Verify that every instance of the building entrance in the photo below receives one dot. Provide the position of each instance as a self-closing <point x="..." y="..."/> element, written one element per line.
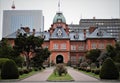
<point x="59" y="59"/>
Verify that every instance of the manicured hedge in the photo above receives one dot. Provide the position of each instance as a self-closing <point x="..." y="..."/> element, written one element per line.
<point x="109" y="70"/>
<point x="9" y="70"/>
<point x="2" y="61"/>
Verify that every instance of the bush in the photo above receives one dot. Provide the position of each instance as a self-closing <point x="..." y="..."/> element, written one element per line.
<point x="36" y="69"/>
<point x="2" y="61"/>
<point x="109" y="70"/>
<point x="60" y="69"/>
<point x="88" y="69"/>
<point x="93" y="65"/>
<point x="84" y="65"/>
<point x="26" y="71"/>
<point x="97" y="71"/>
<point x="92" y="70"/>
<point x="9" y="70"/>
<point x="21" y="72"/>
<point x="118" y="66"/>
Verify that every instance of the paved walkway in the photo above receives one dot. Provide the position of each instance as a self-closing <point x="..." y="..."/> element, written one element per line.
<point x="42" y="76"/>
<point x="80" y="77"/>
<point x="77" y="76"/>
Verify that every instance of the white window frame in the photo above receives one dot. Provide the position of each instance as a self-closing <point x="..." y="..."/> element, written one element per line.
<point x="55" y="46"/>
<point x="63" y="46"/>
<point x="73" y="47"/>
<point x="94" y="45"/>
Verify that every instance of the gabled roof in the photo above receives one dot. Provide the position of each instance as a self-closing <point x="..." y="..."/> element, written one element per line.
<point x="13" y="35"/>
<point x="59" y="33"/>
<point x="98" y="33"/>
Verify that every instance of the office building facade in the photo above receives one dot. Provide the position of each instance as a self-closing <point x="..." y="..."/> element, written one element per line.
<point x="14" y="19"/>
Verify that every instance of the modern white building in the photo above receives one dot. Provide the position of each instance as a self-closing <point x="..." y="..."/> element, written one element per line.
<point x="14" y="19"/>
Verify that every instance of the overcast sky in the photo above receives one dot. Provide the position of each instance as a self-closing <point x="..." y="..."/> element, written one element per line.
<point x="73" y="10"/>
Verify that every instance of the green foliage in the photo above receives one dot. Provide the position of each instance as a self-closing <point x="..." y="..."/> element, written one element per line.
<point x="6" y="50"/>
<point x="118" y="66"/>
<point x="19" y="60"/>
<point x="60" y="69"/>
<point x="110" y="51"/>
<point x="25" y="44"/>
<point x="117" y="48"/>
<point x="84" y="65"/>
<point x="2" y="61"/>
<point x="40" y="57"/>
<point x="9" y="70"/>
<point x="93" y="54"/>
<point x="109" y="70"/>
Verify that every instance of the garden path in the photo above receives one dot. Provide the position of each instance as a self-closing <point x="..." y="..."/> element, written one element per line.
<point x="39" y="77"/>
<point x="80" y="77"/>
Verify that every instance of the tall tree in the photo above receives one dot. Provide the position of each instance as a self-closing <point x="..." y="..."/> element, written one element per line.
<point x="110" y="51"/>
<point x="93" y="54"/>
<point x="40" y="57"/>
<point x="7" y="51"/>
<point x="27" y="45"/>
<point x="117" y="48"/>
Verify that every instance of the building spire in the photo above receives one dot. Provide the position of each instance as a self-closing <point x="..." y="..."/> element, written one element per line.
<point x="59" y="6"/>
<point x="13" y="5"/>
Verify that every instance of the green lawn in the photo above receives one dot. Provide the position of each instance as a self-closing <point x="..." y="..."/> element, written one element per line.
<point x="90" y="74"/>
<point x="54" y="77"/>
<point x="27" y="75"/>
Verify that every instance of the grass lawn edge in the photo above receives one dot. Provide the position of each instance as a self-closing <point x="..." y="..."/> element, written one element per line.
<point x="63" y="78"/>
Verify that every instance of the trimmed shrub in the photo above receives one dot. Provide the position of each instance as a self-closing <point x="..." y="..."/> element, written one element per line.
<point x="84" y="65"/>
<point x="26" y="71"/>
<point x="2" y="61"/>
<point x="118" y="66"/>
<point x="97" y="71"/>
<point x="60" y="69"/>
<point x="36" y="69"/>
<point x="21" y="72"/>
<point x="9" y="70"/>
<point x="109" y="70"/>
<point x="92" y="70"/>
<point x="93" y="65"/>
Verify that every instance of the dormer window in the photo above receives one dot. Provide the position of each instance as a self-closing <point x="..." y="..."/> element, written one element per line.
<point x="59" y="32"/>
<point x="99" y="33"/>
<point x="76" y="36"/>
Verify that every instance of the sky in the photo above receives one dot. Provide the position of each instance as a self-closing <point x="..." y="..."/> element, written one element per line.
<point x="73" y="10"/>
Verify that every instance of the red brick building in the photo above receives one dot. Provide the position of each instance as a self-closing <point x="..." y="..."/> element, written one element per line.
<point x="66" y="45"/>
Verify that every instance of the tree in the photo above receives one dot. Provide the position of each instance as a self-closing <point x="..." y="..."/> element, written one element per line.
<point x="110" y="51"/>
<point x="27" y="45"/>
<point x="93" y="54"/>
<point x="41" y="55"/>
<point x="117" y="49"/>
<point x="7" y="51"/>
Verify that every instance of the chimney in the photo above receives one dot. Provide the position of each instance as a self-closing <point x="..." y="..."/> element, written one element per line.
<point x="91" y="29"/>
<point x="94" y="17"/>
<point x="84" y="33"/>
<point x="33" y="31"/>
<point x="26" y="29"/>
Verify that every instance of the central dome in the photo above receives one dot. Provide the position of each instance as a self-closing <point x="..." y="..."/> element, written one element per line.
<point x="59" y="18"/>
